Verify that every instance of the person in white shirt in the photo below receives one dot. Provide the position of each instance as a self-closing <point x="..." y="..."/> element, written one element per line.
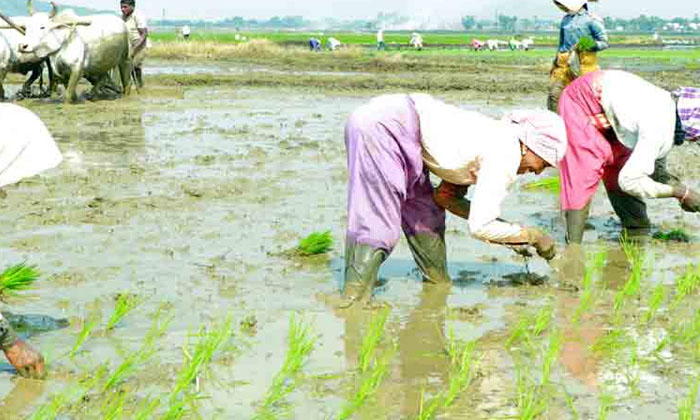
<point x="395" y="141"/>
<point x="26" y="150"/>
<point x="138" y="36"/>
<point x="620" y="130"/>
<point x="381" y="45"/>
<point x="186" y="31"/>
<point x="333" y="43"/>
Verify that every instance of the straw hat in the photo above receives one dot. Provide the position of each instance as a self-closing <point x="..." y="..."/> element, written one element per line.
<point x="572" y="5"/>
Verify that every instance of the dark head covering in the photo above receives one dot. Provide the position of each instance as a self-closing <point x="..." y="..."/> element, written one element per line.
<point x="131" y="3"/>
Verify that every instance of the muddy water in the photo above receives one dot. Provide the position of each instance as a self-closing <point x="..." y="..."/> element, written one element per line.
<point x="187" y="197"/>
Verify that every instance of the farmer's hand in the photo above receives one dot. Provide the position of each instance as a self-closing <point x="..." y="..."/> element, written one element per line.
<point x="523" y="250"/>
<point x="27" y="361"/>
<point x="542" y="242"/>
<point x="691" y="203"/>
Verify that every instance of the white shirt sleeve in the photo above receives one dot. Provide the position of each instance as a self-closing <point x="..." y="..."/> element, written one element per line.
<point x="140" y="20"/>
<point x="643" y="117"/>
<point x="497" y="173"/>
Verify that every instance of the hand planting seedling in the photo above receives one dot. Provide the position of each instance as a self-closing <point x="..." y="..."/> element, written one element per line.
<point x="17" y="278"/>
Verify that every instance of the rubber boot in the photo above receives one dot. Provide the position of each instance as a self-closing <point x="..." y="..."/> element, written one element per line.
<point x="362" y="264"/>
<point x="576" y="224"/>
<point x="139" y="76"/>
<point x="7" y="334"/>
<point x="430" y="254"/>
<point x="632" y="212"/>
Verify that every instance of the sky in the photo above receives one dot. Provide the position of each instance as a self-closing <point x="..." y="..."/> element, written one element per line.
<point x="363" y="9"/>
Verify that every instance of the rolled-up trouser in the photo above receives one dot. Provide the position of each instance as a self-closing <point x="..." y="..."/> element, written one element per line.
<point x="7" y="334"/>
<point x="559" y="78"/>
<point x="389" y="188"/>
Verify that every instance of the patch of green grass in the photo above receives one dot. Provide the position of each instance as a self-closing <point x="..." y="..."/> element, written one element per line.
<point x="551" y="184"/>
<point x="124" y="304"/>
<point x="316" y="243"/>
<point x="17" y="278"/>
<point x="673" y="235"/>
<point x="300" y="344"/>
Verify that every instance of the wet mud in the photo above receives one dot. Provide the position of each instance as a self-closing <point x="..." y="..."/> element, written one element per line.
<point x="189" y="197"/>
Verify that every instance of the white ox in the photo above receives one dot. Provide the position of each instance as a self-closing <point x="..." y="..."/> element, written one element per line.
<point x="10" y="39"/>
<point x="79" y="47"/>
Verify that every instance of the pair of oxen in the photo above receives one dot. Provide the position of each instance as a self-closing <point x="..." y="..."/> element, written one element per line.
<point x="73" y="47"/>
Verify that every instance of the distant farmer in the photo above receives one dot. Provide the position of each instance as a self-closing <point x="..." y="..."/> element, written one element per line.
<point x="381" y="45"/>
<point x="577" y="23"/>
<point x="416" y="41"/>
<point x="315" y="44"/>
<point x="620" y="129"/>
<point x="186" y="32"/>
<point x="138" y="34"/>
<point x="477" y="44"/>
<point x="393" y="144"/>
<point x="333" y="43"/>
<point x="26" y="150"/>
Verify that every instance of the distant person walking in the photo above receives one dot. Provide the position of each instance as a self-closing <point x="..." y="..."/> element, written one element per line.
<point x="138" y="35"/>
<point x="186" y="32"/>
<point x="576" y="24"/>
<point x="381" y="45"/>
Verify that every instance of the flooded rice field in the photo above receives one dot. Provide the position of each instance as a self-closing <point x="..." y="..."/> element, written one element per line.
<point x="174" y="208"/>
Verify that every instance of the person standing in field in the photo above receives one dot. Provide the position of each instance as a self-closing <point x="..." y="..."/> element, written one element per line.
<point x="186" y="32"/>
<point x="394" y="142"/>
<point x="620" y="129"/>
<point x="26" y="150"/>
<point x="381" y="45"/>
<point x="578" y="23"/>
<point x="138" y="35"/>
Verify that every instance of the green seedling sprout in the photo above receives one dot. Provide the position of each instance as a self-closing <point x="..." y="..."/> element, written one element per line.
<point x="673" y="235"/>
<point x="125" y="303"/>
<point x="658" y="296"/>
<point x="586" y="44"/>
<point x="686" y="406"/>
<point x="687" y="284"/>
<point x="83" y="335"/>
<point x="17" y="278"/>
<point x="372" y="367"/>
<point x="594" y="265"/>
<point x="315" y="244"/>
<point x="300" y="344"/>
<point x="551" y="184"/>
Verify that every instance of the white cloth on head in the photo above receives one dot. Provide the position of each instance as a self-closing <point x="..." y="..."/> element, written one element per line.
<point x="26" y="146"/>
<point x="541" y="131"/>
<point x="468" y="148"/>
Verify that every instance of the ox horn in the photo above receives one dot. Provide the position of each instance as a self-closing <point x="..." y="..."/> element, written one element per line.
<point x="30" y="7"/>
<point x="12" y="24"/>
<point x="54" y="10"/>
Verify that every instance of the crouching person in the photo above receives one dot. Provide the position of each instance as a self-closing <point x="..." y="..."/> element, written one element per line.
<point x="395" y="141"/>
<point x="620" y="129"/>
<point x="27" y="150"/>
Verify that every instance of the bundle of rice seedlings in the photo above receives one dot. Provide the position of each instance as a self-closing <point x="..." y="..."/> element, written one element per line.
<point x="586" y="43"/>
<point x="17" y="278"/>
<point x="551" y="184"/>
<point x="673" y="235"/>
<point x="316" y="243"/>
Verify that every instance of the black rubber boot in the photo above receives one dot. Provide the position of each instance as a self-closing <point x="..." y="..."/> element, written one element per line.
<point x="430" y="254"/>
<point x="362" y="264"/>
<point x="7" y="334"/>
<point x="632" y="212"/>
<point x="139" y="76"/>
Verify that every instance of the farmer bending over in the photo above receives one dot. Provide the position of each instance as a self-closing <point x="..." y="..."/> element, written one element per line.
<point x="25" y="151"/>
<point x="576" y="24"/>
<point x="620" y="129"/>
<point x="395" y="141"/>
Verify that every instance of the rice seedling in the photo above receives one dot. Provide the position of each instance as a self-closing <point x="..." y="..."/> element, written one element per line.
<point x="529" y="327"/>
<point x="88" y="326"/>
<point x="316" y="243"/>
<point x="612" y="343"/>
<point x="61" y="401"/>
<point x="147" y="410"/>
<point x="673" y="235"/>
<point x="686" y="406"/>
<point x="595" y="264"/>
<point x="124" y="304"/>
<point x="17" y="278"/>
<point x="658" y="296"/>
<point x="637" y="259"/>
<point x="551" y="184"/>
<point x="605" y="402"/>
<point x="585" y="44"/>
<point x="460" y="371"/>
<point x="687" y="284"/>
<point x="372" y="368"/>
<point x="114" y="406"/>
<point x="572" y="407"/>
<point x="300" y="344"/>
